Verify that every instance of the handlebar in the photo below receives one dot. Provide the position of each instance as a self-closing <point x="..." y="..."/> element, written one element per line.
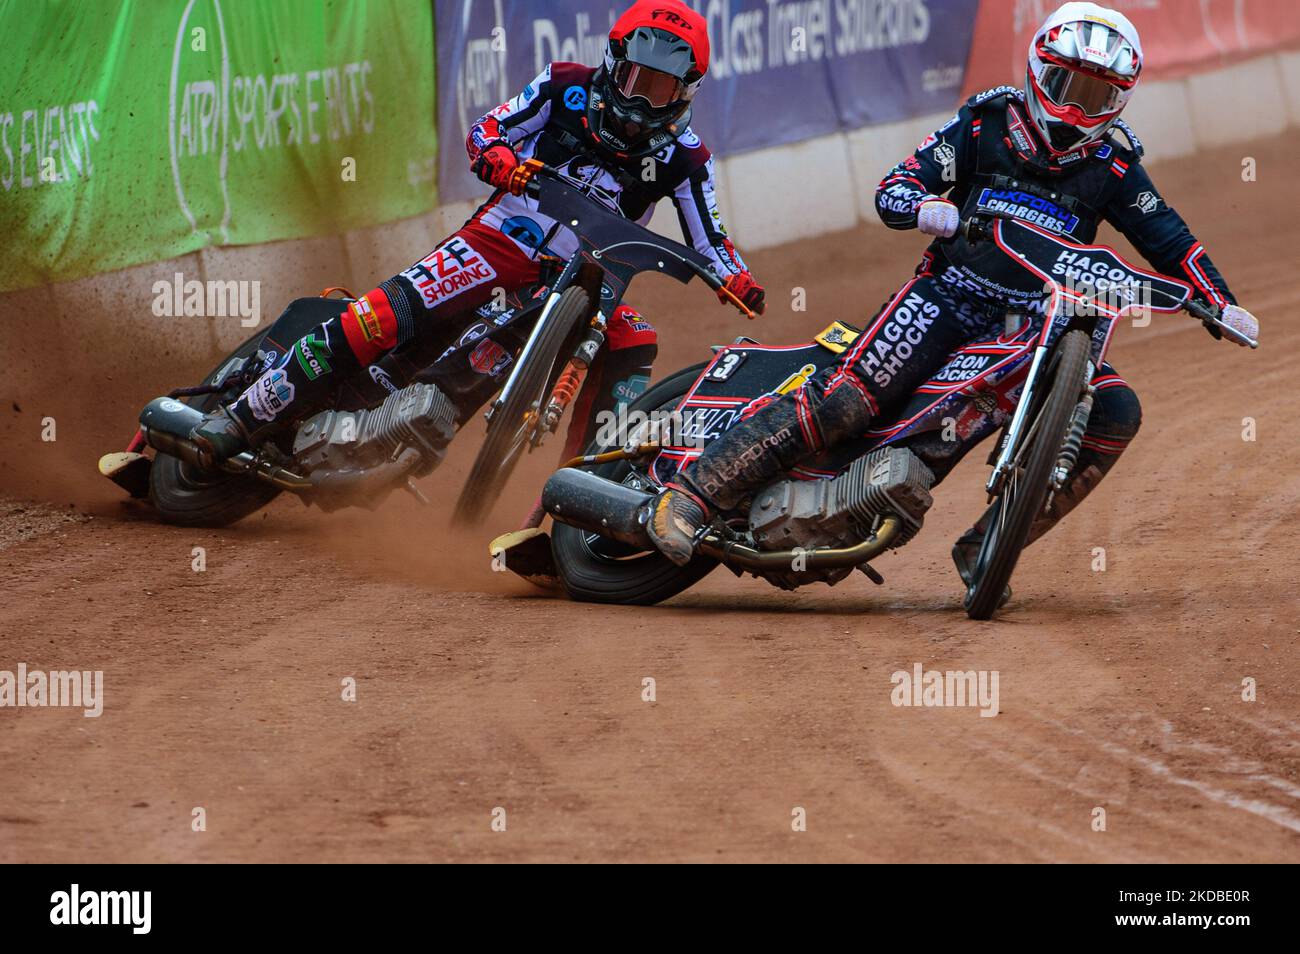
<point x="525" y="180"/>
<point x="979" y="228"/>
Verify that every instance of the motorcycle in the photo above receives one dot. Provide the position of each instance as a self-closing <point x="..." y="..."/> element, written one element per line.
<point x="394" y="425"/>
<point x="846" y="507"/>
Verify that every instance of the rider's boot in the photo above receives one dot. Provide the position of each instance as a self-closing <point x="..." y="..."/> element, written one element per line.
<point x="301" y="383"/>
<point x="219" y="436"/>
<point x="823" y="412"/>
<point x="675" y="523"/>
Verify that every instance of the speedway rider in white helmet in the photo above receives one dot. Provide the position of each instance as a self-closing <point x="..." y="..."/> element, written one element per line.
<point x="1046" y="154"/>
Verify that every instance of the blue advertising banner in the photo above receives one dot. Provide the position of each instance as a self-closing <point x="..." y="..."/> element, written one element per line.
<point x="780" y="71"/>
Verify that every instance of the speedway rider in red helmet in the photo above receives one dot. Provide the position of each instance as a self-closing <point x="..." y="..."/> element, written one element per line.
<point x="622" y="127"/>
<point x="1044" y="154"/>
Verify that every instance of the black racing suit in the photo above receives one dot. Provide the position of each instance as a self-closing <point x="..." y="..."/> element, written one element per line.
<point x="989" y="159"/>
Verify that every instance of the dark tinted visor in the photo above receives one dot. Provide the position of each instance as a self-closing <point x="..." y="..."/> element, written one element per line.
<point x="657" y="88"/>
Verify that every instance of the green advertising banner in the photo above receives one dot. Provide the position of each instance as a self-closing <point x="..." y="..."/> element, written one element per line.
<point x="137" y="130"/>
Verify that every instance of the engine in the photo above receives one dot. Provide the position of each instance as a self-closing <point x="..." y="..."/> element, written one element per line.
<point x="843" y="510"/>
<point x="419" y="416"/>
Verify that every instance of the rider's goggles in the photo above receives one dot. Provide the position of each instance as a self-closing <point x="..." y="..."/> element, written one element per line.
<point x="656" y="87"/>
<point x="1092" y="93"/>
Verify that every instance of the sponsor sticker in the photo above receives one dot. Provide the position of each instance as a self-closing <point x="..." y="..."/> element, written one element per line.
<point x="1147" y="202"/>
<point x="837" y="337"/>
<point x="380" y="377"/>
<point x="447" y="271"/>
<point x="1029" y="208"/>
<point x="272" y="393"/>
<point x="575" y="98"/>
<point x="489" y="357"/>
<point x="313" y="354"/>
<point x="366" y="318"/>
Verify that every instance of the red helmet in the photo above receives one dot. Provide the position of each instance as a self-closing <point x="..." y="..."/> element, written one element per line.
<point x="655" y="60"/>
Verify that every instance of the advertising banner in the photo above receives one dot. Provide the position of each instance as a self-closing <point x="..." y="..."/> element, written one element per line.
<point x="780" y="70"/>
<point x="1178" y="36"/>
<point x="138" y="130"/>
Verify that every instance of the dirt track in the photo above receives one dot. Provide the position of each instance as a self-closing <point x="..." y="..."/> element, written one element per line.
<point x="1119" y="689"/>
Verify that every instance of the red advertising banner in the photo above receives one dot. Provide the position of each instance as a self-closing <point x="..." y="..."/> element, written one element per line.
<point x="1178" y="36"/>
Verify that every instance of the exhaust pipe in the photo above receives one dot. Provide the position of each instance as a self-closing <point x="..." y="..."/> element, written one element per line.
<point x="166" y="425"/>
<point x="818" y="558"/>
<point x="583" y="500"/>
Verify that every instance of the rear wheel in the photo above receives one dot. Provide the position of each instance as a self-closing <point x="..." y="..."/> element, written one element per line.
<point x="189" y="497"/>
<point x="1024" y="492"/>
<point x="594" y="569"/>
<point x="512" y="422"/>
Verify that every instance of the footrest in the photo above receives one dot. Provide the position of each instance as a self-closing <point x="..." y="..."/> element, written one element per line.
<point x="128" y="470"/>
<point x="526" y="553"/>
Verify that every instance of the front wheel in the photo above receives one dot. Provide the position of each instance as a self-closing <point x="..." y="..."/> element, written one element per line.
<point x="512" y="422"/>
<point x="595" y="569"/>
<point x="1024" y="492"/>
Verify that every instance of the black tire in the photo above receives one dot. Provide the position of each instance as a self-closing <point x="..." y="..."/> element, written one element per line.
<point x="1024" y="494"/>
<point x="506" y="433"/>
<point x="188" y="497"/>
<point x="596" y="570"/>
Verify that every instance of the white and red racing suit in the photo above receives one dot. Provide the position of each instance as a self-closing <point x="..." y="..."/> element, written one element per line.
<point x="435" y="301"/>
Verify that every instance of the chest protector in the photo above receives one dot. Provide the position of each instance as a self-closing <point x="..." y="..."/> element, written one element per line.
<point x="1015" y="176"/>
<point x="566" y="144"/>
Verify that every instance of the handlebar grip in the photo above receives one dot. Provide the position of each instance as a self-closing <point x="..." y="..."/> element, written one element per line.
<point x="740" y="306"/>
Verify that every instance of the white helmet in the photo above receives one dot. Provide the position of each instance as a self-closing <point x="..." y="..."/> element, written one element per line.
<point x="1083" y="64"/>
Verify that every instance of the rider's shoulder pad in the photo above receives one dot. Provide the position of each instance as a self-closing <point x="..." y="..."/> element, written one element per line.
<point x="564" y="75"/>
<point x="997" y="92"/>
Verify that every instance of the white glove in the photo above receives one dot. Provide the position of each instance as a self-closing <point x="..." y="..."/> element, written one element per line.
<point x="938" y="217"/>
<point x="1240" y="321"/>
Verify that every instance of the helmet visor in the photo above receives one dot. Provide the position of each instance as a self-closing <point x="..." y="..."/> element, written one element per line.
<point x="1093" y="95"/>
<point x="657" y="88"/>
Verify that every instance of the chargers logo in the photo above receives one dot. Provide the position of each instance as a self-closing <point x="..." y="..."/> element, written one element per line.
<point x="1029" y="208"/>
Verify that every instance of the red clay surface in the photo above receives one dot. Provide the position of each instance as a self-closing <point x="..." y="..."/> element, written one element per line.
<point x="1118" y="689"/>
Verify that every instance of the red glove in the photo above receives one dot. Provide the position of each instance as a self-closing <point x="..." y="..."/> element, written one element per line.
<point x="495" y="164"/>
<point x="743" y="286"/>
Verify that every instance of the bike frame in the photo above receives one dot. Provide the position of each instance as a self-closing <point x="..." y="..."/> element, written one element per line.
<point x="608" y="241"/>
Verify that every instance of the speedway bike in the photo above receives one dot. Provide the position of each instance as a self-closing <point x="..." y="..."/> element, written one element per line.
<point x="839" y="511"/>
<point x="393" y="425"/>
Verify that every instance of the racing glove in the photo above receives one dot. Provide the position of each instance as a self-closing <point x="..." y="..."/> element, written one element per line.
<point x="938" y="217"/>
<point x="743" y="286"/>
<point x="1239" y="320"/>
<point x="495" y="164"/>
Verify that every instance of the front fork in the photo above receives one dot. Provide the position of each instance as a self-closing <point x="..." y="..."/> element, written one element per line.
<point x="1011" y="441"/>
<point x="570" y="381"/>
<point x="1010" y="449"/>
